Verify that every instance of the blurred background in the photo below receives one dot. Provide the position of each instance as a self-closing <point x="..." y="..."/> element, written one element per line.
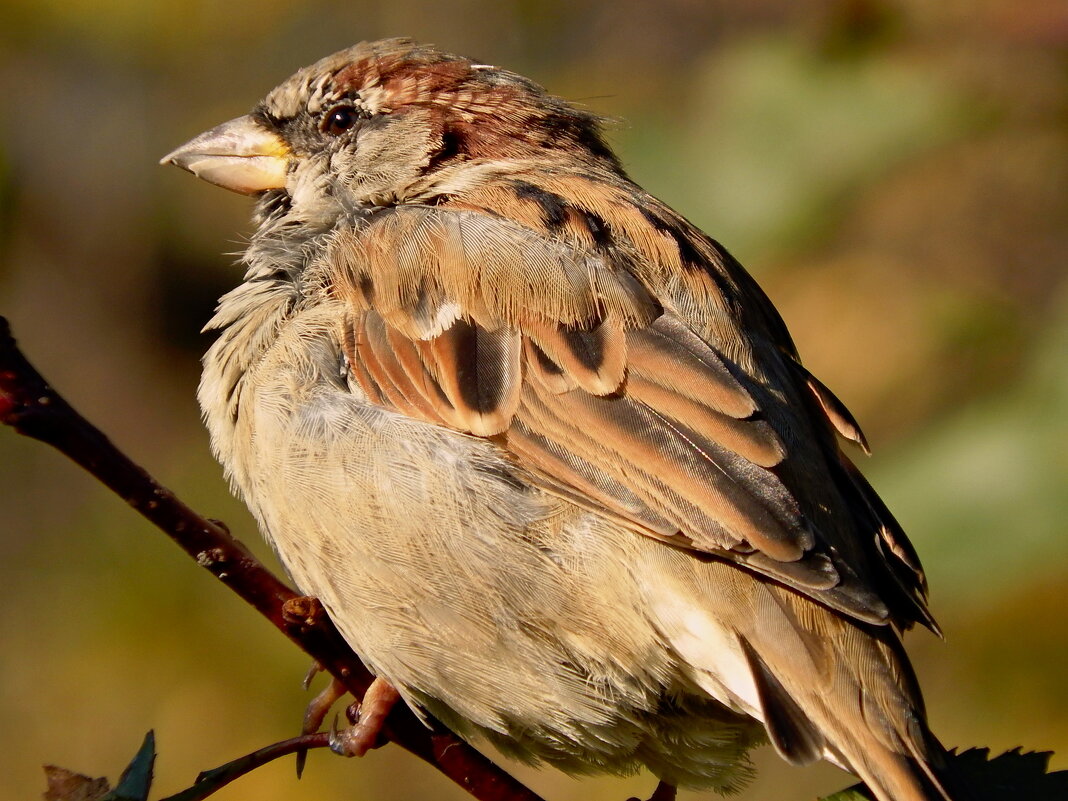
<point x="894" y="172"/>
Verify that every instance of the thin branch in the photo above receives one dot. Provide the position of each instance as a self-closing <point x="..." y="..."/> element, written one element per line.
<point x="32" y="407"/>
<point x="211" y="781"/>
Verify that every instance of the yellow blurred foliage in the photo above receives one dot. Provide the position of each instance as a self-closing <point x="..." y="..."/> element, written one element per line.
<point x="893" y="171"/>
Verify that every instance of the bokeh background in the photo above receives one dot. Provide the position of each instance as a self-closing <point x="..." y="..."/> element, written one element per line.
<point x="893" y="171"/>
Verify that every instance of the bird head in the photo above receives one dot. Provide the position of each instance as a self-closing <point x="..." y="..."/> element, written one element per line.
<point x="389" y="122"/>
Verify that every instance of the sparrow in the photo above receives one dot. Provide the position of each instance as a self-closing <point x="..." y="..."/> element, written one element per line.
<point x="544" y="450"/>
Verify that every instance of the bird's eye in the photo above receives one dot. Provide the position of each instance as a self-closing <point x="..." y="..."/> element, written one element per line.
<point x="339" y="119"/>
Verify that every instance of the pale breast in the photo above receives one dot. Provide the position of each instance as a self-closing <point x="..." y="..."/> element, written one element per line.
<point x="499" y="608"/>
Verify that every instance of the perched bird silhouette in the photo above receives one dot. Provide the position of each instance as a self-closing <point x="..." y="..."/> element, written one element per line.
<point x="543" y="449"/>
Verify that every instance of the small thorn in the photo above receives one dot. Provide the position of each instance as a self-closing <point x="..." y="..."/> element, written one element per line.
<point x="220" y="524"/>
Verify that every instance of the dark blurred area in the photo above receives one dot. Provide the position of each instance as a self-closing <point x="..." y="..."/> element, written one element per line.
<point x="894" y="172"/>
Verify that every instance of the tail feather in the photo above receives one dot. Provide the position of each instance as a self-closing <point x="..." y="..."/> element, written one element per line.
<point x="925" y="773"/>
<point x="789" y="729"/>
<point x="895" y="776"/>
<point x="862" y="711"/>
<point x="824" y="685"/>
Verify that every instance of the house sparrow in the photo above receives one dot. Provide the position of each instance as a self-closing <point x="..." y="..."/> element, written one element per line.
<point x="544" y="450"/>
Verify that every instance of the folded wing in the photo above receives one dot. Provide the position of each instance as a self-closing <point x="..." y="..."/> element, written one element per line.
<point x="585" y="345"/>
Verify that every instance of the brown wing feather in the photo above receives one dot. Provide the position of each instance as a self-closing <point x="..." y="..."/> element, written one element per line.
<point x="593" y="357"/>
<point x="578" y="479"/>
<point x="714" y="496"/>
<point x="671" y="355"/>
<point x="545" y="371"/>
<point x="578" y="341"/>
<point x="379" y="366"/>
<point x="837" y="413"/>
<point x="410" y="359"/>
<point x="479" y="372"/>
<point x="384" y="354"/>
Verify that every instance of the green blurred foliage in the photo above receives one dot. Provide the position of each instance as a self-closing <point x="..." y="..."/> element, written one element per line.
<point x="893" y="171"/>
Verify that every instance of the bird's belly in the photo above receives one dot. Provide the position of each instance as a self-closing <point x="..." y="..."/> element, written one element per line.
<point x="500" y="609"/>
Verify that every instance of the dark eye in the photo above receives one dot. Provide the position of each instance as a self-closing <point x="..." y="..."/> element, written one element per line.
<point x="339" y="119"/>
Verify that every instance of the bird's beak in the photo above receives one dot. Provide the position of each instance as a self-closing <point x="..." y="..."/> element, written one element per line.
<point x="240" y="155"/>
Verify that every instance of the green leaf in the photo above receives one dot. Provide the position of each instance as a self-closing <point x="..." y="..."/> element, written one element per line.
<point x="1011" y="776"/>
<point x="136" y="781"/>
<point x="857" y="792"/>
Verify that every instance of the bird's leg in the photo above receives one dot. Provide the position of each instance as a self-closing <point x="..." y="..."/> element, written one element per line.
<point x="367" y="718"/>
<point x="663" y="792"/>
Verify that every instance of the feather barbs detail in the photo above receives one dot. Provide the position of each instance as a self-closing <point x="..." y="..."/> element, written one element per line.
<point x="414" y="263"/>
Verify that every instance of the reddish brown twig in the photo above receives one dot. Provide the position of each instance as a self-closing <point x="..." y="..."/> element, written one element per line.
<point x="211" y="781"/>
<point x="32" y="407"/>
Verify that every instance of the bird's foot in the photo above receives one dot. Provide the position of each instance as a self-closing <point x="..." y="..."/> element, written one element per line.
<point x="368" y="717"/>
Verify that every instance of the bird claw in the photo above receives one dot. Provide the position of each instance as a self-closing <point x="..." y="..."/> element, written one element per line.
<point x="368" y="719"/>
<point x="313" y="670"/>
<point x="351" y="741"/>
<point x="334" y="741"/>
